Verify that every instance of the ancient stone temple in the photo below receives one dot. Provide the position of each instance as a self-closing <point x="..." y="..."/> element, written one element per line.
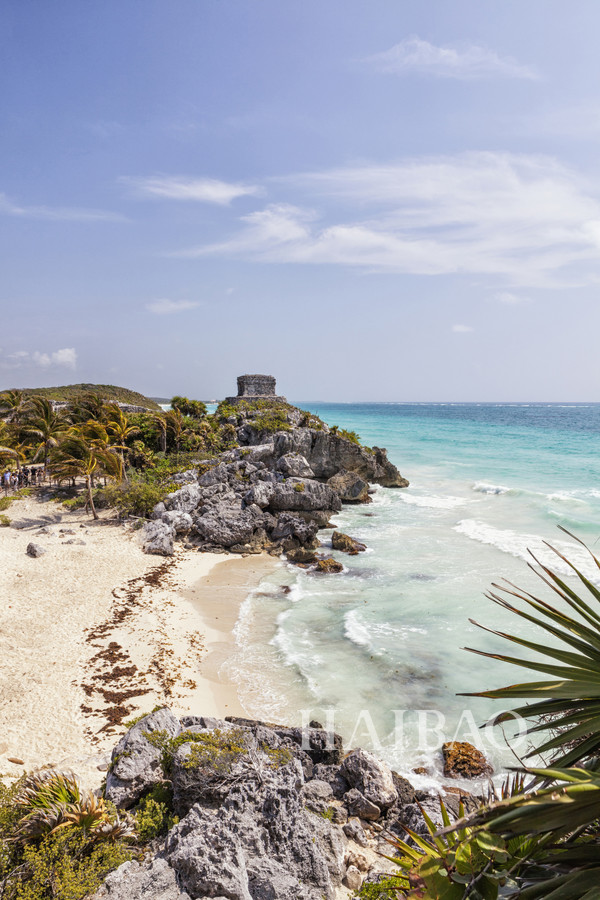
<point x="256" y="387"/>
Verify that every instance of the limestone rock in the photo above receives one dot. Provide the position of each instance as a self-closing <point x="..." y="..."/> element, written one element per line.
<point x="35" y="550"/>
<point x="258" y="845"/>
<point x="370" y="776"/>
<point x="328" y="566"/>
<point x="359" y="805"/>
<point x="343" y="542"/>
<point x="181" y="522"/>
<point x="354" y="830"/>
<point x="226" y="524"/>
<point x="353" y="879"/>
<point x="157" y="537"/>
<point x="350" y="487"/>
<point x="304" y="495"/>
<point x="463" y="760"/>
<point x="185" y="499"/>
<point x="140" y="881"/>
<point x="294" y="464"/>
<point x="135" y="762"/>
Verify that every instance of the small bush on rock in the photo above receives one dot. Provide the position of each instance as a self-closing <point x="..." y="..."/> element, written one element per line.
<point x="155" y="813"/>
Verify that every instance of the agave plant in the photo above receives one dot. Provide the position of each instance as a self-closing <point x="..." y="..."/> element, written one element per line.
<point x="51" y="800"/>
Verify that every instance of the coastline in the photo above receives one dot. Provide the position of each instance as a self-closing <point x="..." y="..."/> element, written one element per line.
<point x="94" y="632"/>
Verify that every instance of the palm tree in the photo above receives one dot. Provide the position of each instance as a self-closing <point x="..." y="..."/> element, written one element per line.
<point x="7" y="448"/>
<point x="11" y="405"/>
<point x="176" y="426"/>
<point x="160" y="423"/>
<point x="44" y="427"/>
<point x="119" y="428"/>
<point x="78" y="457"/>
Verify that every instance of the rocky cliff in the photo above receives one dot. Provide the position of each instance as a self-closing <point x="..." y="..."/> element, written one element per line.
<point x="288" y="474"/>
<point x="266" y="812"/>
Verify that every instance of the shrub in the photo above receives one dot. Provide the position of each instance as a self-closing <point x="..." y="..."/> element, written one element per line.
<point x="63" y="866"/>
<point x="4" y="521"/>
<point x="5" y="503"/>
<point x="137" y="498"/>
<point x="155" y="813"/>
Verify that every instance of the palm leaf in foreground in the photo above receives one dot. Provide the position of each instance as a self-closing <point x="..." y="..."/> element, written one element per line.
<point x="568" y="703"/>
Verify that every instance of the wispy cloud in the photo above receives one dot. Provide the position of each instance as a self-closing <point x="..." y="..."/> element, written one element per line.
<point x="57" y="213"/>
<point x="511" y="299"/>
<point x="19" y="359"/>
<point x="467" y="62"/>
<point x="524" y="218"/>
<point x="168" y="307"/>
<point x="462" y="329"/>
<point x="202" y="190"/>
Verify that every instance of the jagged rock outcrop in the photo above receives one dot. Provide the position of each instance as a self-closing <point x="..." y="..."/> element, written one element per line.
<point x="136" y="763"/>
<point x="350" y="487"/>
<point x="157" y="537"/>
<point x="267" y="812"/>
<point x="272" y="492"/>
<point x="343" y="542"/>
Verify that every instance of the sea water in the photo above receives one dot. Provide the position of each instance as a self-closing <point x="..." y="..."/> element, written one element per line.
<point x="377" y="651"/>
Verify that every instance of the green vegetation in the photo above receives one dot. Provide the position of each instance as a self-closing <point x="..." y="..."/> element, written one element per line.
<point x="5" y="503"/>
<point x="154" y="814"/>
<point x="57" y="842"/>
<point x="299" y="487"/>
<point x="215" y="750"/>
<point x="4" y="521"/>
<point x="136" y="498"/>
<point x="69" y="392"/>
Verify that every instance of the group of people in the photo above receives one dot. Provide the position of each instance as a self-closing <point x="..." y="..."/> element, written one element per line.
<point x="28" y="475"/>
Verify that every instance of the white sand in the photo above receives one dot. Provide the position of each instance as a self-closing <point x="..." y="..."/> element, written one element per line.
<point x="98" y="626"/>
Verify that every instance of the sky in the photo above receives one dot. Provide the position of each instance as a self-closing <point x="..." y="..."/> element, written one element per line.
<point x="393" y="200"/>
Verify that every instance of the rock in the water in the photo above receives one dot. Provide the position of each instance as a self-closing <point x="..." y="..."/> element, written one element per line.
<point x="141" y="881"/>
<point x="136" y="763"/>
<point x="371" y="777"/>
<point x="463" y="760"/>
<point x="350" y="487"/>
<point x="35" y="550"/>
<point x="302" y="555"/>
<point x="328" y="566"/>
<point x="157" y="537"/>
<point x="343" y="542"/>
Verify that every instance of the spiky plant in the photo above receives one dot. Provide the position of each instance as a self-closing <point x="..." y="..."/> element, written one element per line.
<point x="570" y="701"/>
<point x="50" y="800"/>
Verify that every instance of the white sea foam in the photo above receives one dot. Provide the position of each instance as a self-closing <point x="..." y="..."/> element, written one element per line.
<point x="366" y="635"/>
<point x="433" y="502"/>
<point x="482" y="488"/>
<point x="519" y="545"/>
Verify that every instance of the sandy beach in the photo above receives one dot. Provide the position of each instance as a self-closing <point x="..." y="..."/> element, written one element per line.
<point x="94" y="631"/>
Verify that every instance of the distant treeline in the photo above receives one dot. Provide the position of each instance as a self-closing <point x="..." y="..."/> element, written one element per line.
<point x="109" y="392"/>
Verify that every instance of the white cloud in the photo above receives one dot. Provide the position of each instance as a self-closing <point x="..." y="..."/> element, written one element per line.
<point x="168" y="307"/>
<point x="466" y="62"/>
<point x="203" y="190"/>
<point x="67" y="358"/>
<point x="524" y="218"/>
<point x="462" y="329"/>
<point x="56" y="213"/>
<point x="510" y="298"/>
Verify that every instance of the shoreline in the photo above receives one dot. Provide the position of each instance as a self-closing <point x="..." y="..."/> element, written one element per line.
<point x="95" y="632"/>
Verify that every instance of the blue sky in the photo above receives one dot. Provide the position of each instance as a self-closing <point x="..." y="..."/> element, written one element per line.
<point x="383" y="200"/>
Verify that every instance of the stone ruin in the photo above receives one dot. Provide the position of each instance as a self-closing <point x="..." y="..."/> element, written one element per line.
<point x="256" y="387"/>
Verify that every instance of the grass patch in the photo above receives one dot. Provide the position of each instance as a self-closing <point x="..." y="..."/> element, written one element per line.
<point x="4" y="521"/>
<point x="5" y="503"/>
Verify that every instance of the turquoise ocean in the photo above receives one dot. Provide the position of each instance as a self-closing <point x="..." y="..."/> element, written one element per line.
<point x="377" y="650"/>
